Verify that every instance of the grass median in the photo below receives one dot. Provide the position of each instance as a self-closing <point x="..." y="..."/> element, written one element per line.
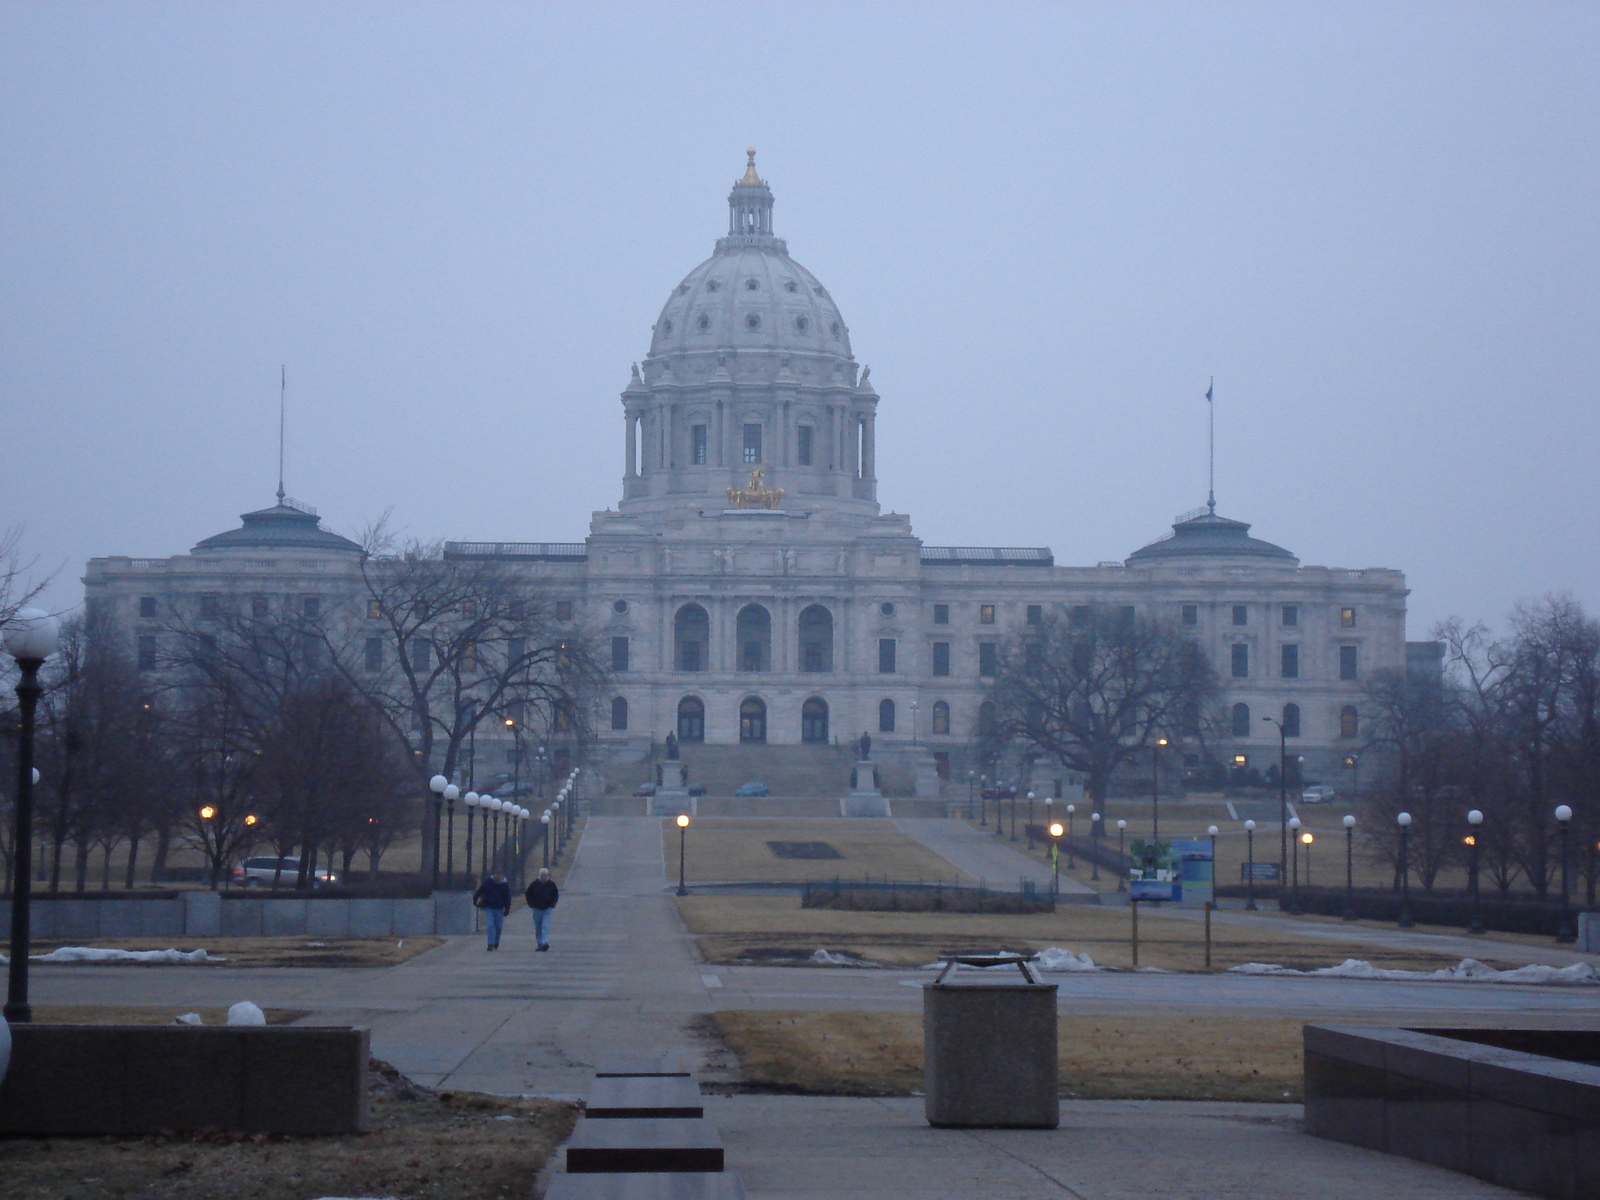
<point x="267" y="951"/>
<point x="740" y="848"/>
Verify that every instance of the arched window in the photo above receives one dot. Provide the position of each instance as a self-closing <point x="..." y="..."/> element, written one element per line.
<point x="986" y="719"/>
<point x="753" y="720"/>
<point x="691" y="636"/>
<point x="619" y="713"/>
<point x="1291" y="720"/>
<point x="941" y="717"/>
<point x="816" y="639"/>
<point x="691" y="720"/>
<point x="1241" y="720"/>
<point x="754" y="629"/>
<point x="814" y="720"/>
<point x="1349" y="722"/>
<point x="886" y="716"/>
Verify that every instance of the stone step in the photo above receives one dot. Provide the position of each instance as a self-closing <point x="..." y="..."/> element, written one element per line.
<point x="655" y="1064"/>
<point x="638" y="1097"/>
<point x="640" y="1185"/>
<point x="652" y="1144"/>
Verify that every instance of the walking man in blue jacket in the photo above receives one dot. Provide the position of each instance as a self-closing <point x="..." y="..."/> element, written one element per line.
<point x="494" y="897"/>
<point x="542" y="896"/>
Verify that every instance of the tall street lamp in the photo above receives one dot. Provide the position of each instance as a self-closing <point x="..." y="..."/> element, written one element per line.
<point x="1283" y="796"/>
<point x="983" y="800"/>
<point x="683" y="836"/>
<point x="30" y="638"/>
<point x="1072" y="862"/>
<point x="1349" y="824"/>
<point x="1122" y="876"/>
<point x="1404" y="821"/>
<point x="1294" y="871"/>
<point x="451" y="794"/>
<point x="1566" y="933"/>
<point x="471" y="801"/>
<point x="1475" y="819"/>
<point x="1094" y="838"/>
<point x="970" y="777"/>
<point x="1155" y="789"/>
<point x="437" y="785"/>
<point x="1055" y="857"/>
<point x="545" y="821"/>
<point x="914" y="707"/>
<point x="1305" y="840"/>
<point x="1250" y="866"/>
<point x="1030" y="811"/>
<point x="555" y="816"/>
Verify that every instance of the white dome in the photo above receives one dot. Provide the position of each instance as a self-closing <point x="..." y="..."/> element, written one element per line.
<point x="750" y="298"/>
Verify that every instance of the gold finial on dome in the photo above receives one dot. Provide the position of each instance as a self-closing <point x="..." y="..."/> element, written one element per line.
<point x="750" y="176"/>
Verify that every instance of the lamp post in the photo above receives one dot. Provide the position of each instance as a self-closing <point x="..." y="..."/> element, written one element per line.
<point x="1030" y="812"/>
<point x="1566" y="933"/>
<point x="1305" y="840"/>
<point x="1250" y="868"/>
<point x="970" y="778"/>
<point x="1294" y="873"/>
<point x="1122" y="877"/>
<point x="493" y="806"/>
<point x="683" y="837"/>
<point x="555" y="816"/>
<point x="30" y="638"/>
<point x="1211" y="832"/>
<point x="1072" y="862"/>
<point x="1349" y="824"/>
<point x="1155" y="789"/>
<point x="451" y="794"/>
<point x="983" y="800"/>
<point x="1404" y="821"/>
<point x="915" y="705"/>
<point x="545" y="821"/>
<point x="1475" y="819"/>
<point x="471" y="801"/>
<point x="437" y="785"/>
<point x="516" y="757"/>
<point x="1055" y="857"/>
<point x="1013" y="791"/>
<point x="1094" y="837"/>
<point x="1283" y="796"/>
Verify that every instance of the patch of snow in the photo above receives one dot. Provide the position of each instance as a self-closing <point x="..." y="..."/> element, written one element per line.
<point x="187" y="1019"/>
<point x="246" y="1013"/>
<point x="1054" y="958"/>
<point x="99" y="954"/>
<point x="824" y="958"/>
<point x="1467" y="970"/>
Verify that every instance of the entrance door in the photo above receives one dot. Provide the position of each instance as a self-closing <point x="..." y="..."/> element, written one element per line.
<point x="814" y="720"/>
<point x="753" y="720"/>
<point x="691" y="720"/>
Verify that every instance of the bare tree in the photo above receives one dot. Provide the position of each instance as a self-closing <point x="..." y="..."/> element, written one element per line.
<point x="1097" y="690"/>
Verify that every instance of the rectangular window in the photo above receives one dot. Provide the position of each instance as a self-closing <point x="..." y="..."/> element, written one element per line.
<point x="515" y="648"/>
<point x="1125" y="617"/>
<point x="1241" y="660"/>
<point x="1347" y="662"/>
<point x="1291" y="615"/>
<point x="619" y="654"/>
<point x="259" y="607"/>
<point x="1080" y="616"/>
<point x="374" y="654"/>
<point x="941" y="658"/>
<point x="752" y="444"/>
<point x="421" y="650"/>
<point x="374" y="609"/>
<point x="211" y="606"/>
<point x="985" y="614"/>
<point x="697" y="445"/>
<point x="563" y="610"/>
<point x="688" y="656"/>
<point x="1241" y="614"/>
<point x="1191" y="614"/>
<point x="147" y="653"/>
<point x="941" y="614"/>
<point x="885" y="656"/>
<point x="147" y="606"/>
<point x="803" y="445"/>
<point x="1289" y="662"/>
<point x="1033" y="656"/>
<point x="1035" y="614"/>
<point x="310" y="607"/>
<point x="988" y="658"/>
<point x="1347" y="618"/>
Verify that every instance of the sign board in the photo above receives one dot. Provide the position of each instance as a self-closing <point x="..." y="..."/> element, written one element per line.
<point x="1261" y="872"/>
<point x="1153" y="889"/>
<point x="1191" y="848"/>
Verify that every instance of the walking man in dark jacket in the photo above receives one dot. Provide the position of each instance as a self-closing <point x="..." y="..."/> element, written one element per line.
<point x="494" y="897"/>
<point x="542" y="896"/>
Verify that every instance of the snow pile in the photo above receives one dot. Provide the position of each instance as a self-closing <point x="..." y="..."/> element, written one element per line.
<point x="246" y="1013"/>
<point x="97" y="954"/>
<point x="1468" y="970"/>
<point x="187" y="1019"/>
<point x="1054" y="958"/>
<point x="824" y="958"/>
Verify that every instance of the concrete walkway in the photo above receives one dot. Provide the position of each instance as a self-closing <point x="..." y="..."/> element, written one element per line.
<point x="989" y="858"/>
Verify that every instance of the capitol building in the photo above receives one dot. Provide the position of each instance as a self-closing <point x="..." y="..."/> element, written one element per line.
<point x="748" y="589"/>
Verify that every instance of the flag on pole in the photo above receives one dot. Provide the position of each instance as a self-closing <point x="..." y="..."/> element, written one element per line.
<point x="1209" y="386"/>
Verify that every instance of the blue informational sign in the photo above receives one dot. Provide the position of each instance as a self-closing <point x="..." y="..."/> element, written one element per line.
<point x="1154" y="889"/>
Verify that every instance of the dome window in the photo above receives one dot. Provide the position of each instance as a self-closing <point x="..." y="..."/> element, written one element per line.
<point x="619" y="606"/>
<point x="791" y="286"/>
<point x="683" y="289"/>
<point x="666" y="326"/>
<point x="704" y="322"/>
<point x="802" y="323"/>
<point x="753" y="320"/>
<point x="835" y="329"/>
<point x="822" y="291"/>
<point x="712" y="285"/>
<point x="752" y="285"/>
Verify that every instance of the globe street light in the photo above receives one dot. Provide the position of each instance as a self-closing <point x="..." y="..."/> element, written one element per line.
<point x="1306" y="839"/>
<point x="555" y="814"/>
<point x="1094" y="838"/>
<point x="1030" y="811"/>
<point x="1475" y="819"/>
<point x="451" y="794"/>
<point x="1566" y="933"/>
<point x="683" y="835"/>
<point x="1211" y="831"/>
<point x="1250" y="868"/>
<point x="1349" y="824"/>
<point x="471" y="801"/>
<point x="1055" y="856"/>
<point x="30" y="638"/>
<point x="1404" y="821"/>
<point x="1122" y="877"/>
<point x="545" y="821"/>
<point x="1071" y="860"/>
<point x="437" y="785"/>
<point x="493" y="806"/>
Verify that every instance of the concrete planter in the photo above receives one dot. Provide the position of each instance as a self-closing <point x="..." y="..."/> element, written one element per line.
<point x="989" y="1055"/>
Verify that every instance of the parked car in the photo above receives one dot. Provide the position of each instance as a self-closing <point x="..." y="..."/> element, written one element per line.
<point x="697" y="789"/>
<point x="645" y="790"/>
<point x="1000" y="791"/>
<point x="754" y="788"/>
<point x="260" y="872"/>
<point x="1317" y="793"/>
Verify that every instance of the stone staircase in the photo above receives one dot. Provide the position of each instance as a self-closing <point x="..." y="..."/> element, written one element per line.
<point x="789" y="771"/>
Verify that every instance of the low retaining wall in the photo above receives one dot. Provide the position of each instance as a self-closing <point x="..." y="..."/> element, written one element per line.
<point x="143" y="1079"/>
<point x="1516" y="1107"/>
<point x="212" y="914"/>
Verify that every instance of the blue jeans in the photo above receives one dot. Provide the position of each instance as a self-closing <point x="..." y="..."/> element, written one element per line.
<point x="496" y="918"/>
<point x="541" y="925"/>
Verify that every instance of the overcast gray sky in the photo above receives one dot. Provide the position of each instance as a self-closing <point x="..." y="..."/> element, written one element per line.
<point x="1047" y="225"/>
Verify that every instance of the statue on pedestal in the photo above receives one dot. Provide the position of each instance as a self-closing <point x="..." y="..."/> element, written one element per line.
<point x="865" y="746"/>
<point x="672" y="747"/>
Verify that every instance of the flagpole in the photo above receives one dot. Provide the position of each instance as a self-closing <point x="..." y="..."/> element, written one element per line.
<point x="1211" y="446"/>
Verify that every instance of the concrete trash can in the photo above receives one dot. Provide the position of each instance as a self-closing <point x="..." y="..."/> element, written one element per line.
<point x="989" y="1049"/>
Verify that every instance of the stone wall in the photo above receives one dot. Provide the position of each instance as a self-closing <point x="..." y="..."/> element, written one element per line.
<point x="211" y="914"/>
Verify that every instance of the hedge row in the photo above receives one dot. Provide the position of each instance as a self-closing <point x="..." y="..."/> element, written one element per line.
<point x="1505" y="916"/>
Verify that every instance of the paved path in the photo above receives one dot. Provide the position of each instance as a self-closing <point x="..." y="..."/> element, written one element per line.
<point x="990" y="858"/>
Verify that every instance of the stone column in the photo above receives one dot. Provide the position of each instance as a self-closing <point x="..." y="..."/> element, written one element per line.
<point x="869" y="454"/>
<point x="632" y="451"/>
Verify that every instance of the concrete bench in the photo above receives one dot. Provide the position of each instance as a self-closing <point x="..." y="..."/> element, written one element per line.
<point x="637" y="1097"/>
<point x="649" y="1144"/>
<point x="658" y="1185"/>
<point x="140" y="1079"/>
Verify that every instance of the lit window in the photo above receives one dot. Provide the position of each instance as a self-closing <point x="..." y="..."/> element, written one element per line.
<point x="1347" y="618"/>
<point x="941" y="658"/>
<point x="803" y="445"/>
<point x="941" y="614"/>
<point x="1349" y="722"/>
<point x="697" y="445"/>
<point x="1240" y="654"/>
<point x="985" y="614"/>
<point x="1289" y="664"/>
<point x="1191" y="614"/>
<point x="752" y="444"/>
<point x="1241" y="614"/>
